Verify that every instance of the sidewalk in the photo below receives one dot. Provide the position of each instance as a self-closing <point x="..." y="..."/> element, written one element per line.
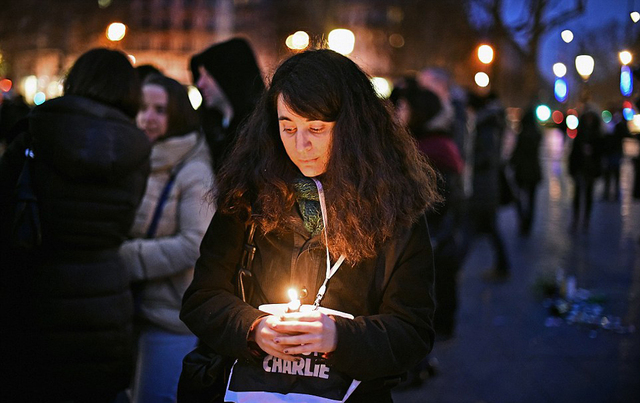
<point x="505" y="349"/>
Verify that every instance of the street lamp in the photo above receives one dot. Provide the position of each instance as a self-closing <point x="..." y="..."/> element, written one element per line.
<point x="559" y="69"/>
<point x="560" y="88"/>
<point x="485" y="54"/>
<point x="626" y="79"/>
<point x="482" y="79"/>
<point x="566" y="35"/>
<point x="584" y="66"/>
<point x="342" y="41"/>
<point x="625" y="57"/>
<point x="298" y="40"/>
<point x="116" y="31"/>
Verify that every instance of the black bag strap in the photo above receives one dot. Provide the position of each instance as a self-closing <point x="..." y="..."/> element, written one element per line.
<point x="153" y="227"/>
<point x="245" y="274"/>
<point x="26" y="230"/>
<point x="164" y="196"/>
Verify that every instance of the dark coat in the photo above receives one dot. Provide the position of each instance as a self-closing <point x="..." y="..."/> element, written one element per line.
<point x="490" y="125"/>
<point x="67" y="306"/>
<point x="525" y="158"/>
<point x="585" y="158"/>
<point x="392" y="329"/>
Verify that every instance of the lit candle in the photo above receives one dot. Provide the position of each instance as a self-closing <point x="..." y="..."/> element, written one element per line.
<point x="294" y="305"/>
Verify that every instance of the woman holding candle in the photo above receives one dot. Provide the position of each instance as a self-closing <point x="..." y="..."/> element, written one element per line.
<point x="338" y="191"/>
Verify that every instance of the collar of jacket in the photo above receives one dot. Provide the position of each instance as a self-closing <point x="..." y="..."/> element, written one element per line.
<point x="168" y="152"/>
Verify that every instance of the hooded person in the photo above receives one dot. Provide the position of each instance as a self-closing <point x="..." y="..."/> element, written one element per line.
<point x="229" y="79"/>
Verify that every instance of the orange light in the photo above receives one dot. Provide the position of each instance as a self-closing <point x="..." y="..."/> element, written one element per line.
<point x="5" y="85"/>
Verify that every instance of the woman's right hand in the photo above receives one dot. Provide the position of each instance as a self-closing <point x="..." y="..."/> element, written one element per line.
<point x="264" y="336"/>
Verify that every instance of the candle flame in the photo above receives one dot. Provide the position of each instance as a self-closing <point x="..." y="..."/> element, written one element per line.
<point x="293" y="294"/>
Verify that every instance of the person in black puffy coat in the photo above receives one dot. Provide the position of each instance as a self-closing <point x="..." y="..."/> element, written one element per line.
<point x="66" y="331"/>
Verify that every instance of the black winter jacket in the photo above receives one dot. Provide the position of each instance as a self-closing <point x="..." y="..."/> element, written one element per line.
<point x="392" y="329"/>
<point x="66" y="306"/>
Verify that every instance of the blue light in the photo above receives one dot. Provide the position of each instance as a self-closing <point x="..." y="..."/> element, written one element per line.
<point x="560" y="89"/>
<point x="627" y="113"/>
<point x="39" y="98"/>
<point x="626" y="82"/>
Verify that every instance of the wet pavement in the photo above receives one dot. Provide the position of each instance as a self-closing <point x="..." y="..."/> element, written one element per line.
<point x="508" y="348"/>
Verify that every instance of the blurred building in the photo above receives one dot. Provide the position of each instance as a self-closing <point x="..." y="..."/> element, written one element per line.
<point x="40" y="39"/>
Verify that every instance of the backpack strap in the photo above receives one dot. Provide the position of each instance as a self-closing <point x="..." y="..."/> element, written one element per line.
<point x="164" y="196"/>
<point x="26" y="232"/>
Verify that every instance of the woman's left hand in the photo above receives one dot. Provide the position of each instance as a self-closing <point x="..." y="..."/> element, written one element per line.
<point x="310" y="332"/>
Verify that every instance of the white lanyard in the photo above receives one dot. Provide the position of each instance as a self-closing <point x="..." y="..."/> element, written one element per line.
<point x="330" y="270"/>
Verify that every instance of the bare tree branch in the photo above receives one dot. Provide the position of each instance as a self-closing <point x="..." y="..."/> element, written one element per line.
<point x="564" y="17"/>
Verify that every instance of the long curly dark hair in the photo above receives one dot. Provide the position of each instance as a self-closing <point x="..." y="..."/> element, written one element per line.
<point x="376" y="181"/>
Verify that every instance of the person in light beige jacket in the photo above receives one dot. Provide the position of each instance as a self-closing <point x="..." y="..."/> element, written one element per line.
<point x="169" y="226"/>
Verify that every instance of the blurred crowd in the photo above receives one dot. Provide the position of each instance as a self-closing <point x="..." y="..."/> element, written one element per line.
<point x="107" y="192"/>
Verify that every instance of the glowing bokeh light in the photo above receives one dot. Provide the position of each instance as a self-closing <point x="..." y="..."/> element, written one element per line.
<point x="39" y="98"/>
<point x="481" y="79"/>
<point x="341" y="40"/>
<point x="559" y="69"/>
<point x="132" y="59"/>
<point x="628" y="114"/>
<point x="396" y="40"/>
<point x="298" y="40"/>
<point x="566" y="35"/>
<point x="194" y="96"/>
<point x="584" y="66"/>
<point x="5" y="85"/>
<point x="557" y="117"/>
<point x="606" y="116"/>
<point x="382" y="86"/>
<point x="485" y="54"/>
<point x="572" y="122"/>
<point x="104" y="3"/>
<point x="572" y="133"/>
<point x="29" y="87"/>
<point x="625" y="57"/>
<point x="543" y="113"/>
<point x="635" y="16"/>
<point x="560" y="90"/>
<point x="626" y="81"/>
<point x="116" y="31"/>
<point x="54" y="89"/>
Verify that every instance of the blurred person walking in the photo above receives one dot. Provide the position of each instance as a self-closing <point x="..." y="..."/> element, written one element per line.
<point x="229" y="79"/>
<point x="170" y="223"/>
<point x="612" y="155"/>
<point x="67" y="316"/>
<point x="484" y="202"/>
<point x="525" y="160"/>
<point x="585" y="165"/>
